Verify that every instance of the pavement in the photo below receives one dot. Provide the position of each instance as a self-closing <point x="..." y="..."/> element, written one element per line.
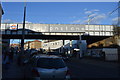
<point x="79" y="69"/>
<point x="12" y="71"/>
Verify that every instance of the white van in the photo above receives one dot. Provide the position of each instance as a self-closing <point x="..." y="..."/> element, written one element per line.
<point x="111" y="54"/>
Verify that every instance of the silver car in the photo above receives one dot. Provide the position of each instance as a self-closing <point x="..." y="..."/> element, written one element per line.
<point x="48" y="67"/>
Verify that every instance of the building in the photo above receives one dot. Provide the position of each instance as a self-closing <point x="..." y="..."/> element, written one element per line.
<point x="15" y="45"/>
<point x="5" y="42"/>
<point x="36" y="44"/>
<point x="64" y="46"/>
<point x="55" y="44"/>
<point x="52" y="44"/>
<point x="1" y="13"/>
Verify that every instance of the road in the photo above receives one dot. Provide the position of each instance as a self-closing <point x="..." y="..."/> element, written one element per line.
<point x="92" y="68"/>
<point x="79" y="69"/>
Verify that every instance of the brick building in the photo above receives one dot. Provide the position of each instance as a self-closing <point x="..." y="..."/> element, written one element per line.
<point x="36" y="44"/>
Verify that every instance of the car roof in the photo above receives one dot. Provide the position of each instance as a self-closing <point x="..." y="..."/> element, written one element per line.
<point x="46" y="56"/>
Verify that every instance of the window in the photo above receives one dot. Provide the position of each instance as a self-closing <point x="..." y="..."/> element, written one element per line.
<point x="50" y="63"/>
<point x="55" y="43"/>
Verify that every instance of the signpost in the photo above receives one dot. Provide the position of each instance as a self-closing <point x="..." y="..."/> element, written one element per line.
<point x="13" y="27"/>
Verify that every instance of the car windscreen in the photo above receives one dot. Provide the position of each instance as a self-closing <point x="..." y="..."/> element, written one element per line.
<point x="50" y="63"/>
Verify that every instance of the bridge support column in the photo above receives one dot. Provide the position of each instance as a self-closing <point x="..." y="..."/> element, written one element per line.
<point x="68" y="51"/>
<point x="80" y="47"/>
<point x="70" y="47"/>
<point x="49" y="46"/>
<point x="63" y="46"/>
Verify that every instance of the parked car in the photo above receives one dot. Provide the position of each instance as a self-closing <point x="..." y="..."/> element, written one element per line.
<point x="53" y="53"/>
<point x="65" y="57"/>
<point x="48" y="67"/>
<point x="32" y="51"/>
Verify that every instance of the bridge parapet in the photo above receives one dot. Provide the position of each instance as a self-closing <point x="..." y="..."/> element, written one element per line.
<point x="60" y="29"/>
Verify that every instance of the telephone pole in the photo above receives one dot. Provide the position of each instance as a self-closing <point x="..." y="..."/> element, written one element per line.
<point x="119" y="14"/>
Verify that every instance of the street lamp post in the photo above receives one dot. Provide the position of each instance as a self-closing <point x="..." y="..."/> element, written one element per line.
<point x="23" y="31"/>
<point x="89" y="19"/>
<point x="119" y="14"/>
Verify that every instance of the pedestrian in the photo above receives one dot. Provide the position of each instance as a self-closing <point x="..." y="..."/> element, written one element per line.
<point x="75" y="53"/>
<point x="6" y="61"/>
<point x="103" y="55"/>
<point x="19" y="58"/>
<point x="3" y="56"/>
<point x="91" y="52"/>
<point x="12" y="55"/>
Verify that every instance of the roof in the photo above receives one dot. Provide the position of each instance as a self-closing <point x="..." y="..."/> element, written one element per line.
<point x="49" y="41"/>
<point x="36" y="41"/>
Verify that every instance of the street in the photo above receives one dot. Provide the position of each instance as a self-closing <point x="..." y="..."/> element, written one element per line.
<point x="79" y="69"/>
<point x="58" y="41"/>
<point x="92" y="68"/>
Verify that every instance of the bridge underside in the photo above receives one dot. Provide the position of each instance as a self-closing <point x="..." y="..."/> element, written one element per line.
<point x="89" y="39"/>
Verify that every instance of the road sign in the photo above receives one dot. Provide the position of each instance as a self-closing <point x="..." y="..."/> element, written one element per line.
<point x="13" y="26"/>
